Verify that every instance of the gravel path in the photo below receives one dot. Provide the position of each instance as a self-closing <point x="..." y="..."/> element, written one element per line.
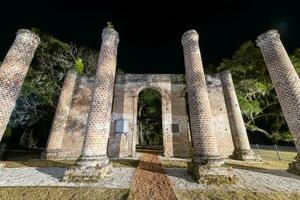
<point x="51" y="176"/>
<point x="262" y="180"/>
<point x="150" y="181"/>
<point x="151" y="176"/>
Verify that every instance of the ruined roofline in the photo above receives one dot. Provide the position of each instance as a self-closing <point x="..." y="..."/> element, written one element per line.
<point x="212" y="79"/>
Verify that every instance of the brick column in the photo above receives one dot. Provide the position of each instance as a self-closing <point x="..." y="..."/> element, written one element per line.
<point x="204" y="139"/>
<point x="206" y="162"/>
<point x="61" y="116"/>
<point x="286" y="83"/>
<point x="93" y="162"/>
<point x="13" y="71"/>
<point x="242" y="150"/>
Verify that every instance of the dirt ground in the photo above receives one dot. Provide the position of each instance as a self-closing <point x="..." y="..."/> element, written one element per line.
<point x="150" y="180"/>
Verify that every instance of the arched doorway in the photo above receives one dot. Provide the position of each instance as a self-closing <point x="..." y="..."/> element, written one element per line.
<point x="149" y="122"/>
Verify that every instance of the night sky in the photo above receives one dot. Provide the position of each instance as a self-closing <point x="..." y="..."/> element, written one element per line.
<point x="150" y="34"/>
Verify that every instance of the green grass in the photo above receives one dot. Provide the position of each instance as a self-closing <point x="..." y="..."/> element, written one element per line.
<point x="174" y="163"/>
<point x="64" y="193"/>
<point x="39" y="163"/>
<point x="270" y="161"/>
<point x="63" y="163"/>
<point x="272" y="155"/>
<point x="236" y="195"/>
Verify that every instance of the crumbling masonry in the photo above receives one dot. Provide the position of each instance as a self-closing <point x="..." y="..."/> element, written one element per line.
<point x="13" y="71"/>
<point x="286" y="83"/>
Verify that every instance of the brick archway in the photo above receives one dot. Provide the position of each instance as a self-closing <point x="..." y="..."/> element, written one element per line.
<point x="166" y="116"/>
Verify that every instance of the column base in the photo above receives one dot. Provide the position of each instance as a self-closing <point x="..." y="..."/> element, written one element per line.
<point x="243" y="154"/>
<point x="212" y="172"/>
<point x="89" y="169"/>
<point x="2" y="165"/>
<point x="51" y="154"/>
<point x="294" y="167"/>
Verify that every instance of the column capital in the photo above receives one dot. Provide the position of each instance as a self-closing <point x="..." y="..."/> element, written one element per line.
<point x="188" y="36"/>
<point x="110" y="36"/>
<point x="28" y="35"/>
<point x="269" y="36"/>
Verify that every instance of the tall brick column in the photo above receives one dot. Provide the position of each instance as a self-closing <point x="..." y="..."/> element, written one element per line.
<point x="242" y="150"/>
<point x="205" y="148"/>
<point x="93" y="163"/>
<point x="56" y="135"/>
<point x="13" y="71"/>
<point x="204" y="139"/>
<point x="286" y="83"/>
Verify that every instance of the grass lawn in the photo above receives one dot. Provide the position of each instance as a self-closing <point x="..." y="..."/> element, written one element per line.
<point x="65" y="193"/>
<point x="272" y="155"/>
<point x="235" y="195"/>
<point x="64" y="163"/>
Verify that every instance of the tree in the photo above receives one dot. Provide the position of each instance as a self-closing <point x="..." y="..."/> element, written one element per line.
<point x="149" y="117"/>
<point x="256" y="95"/>
<point x="31" y="119"/>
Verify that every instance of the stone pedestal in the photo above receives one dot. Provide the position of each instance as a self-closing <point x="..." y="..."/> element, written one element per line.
<point x="13" y="71"/>
<point x="208" y="174"/>
<point x="286" y="83"/>
<point x="242" y="150"/>
<point x="56" y="135"/>
<point x="89" y="170"/>
<point x="294" y="167"/>
<point x="93" y="163"/>
<point x="205" y="148"/>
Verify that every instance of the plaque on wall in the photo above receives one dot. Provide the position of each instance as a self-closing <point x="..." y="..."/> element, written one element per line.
<point x="175" y="128"/>
<point x="121" y="126"/>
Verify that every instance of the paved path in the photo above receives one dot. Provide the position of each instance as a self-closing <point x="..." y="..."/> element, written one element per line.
<point x="150" y="180"/>
<point x="51" y="176"/>
<point x="256" y="180"/>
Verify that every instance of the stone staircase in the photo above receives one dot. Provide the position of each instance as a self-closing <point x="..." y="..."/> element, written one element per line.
<point x="153" y="149"/>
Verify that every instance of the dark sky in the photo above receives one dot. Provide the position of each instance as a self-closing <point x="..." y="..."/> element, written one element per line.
<point x="150" y="33"/>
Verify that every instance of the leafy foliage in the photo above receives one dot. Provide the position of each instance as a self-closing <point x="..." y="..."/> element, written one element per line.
<point x="32" y="117"/>
<point x="149" y="117"/>
<point x="256" y="95"/>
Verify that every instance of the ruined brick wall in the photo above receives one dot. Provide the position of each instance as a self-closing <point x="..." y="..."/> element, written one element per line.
<point x="77" y="118"/>
<point x="13" y="71"/>
<point x="126" y="92"/>
<point x="219" y="115"/>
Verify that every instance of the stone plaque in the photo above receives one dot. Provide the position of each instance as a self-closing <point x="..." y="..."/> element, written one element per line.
<point x="175" y="128"/>
<point x="122" y="126"/>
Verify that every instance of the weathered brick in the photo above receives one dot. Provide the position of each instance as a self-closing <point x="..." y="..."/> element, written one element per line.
<point x="285" y="81"/>
<point x="242" y="150"/>
<point x="13" y="71"/>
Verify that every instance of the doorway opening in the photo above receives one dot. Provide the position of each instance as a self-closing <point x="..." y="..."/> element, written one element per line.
<point x="149" y="122"/>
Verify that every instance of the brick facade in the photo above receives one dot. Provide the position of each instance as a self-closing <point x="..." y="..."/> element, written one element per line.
<point x="127" y="88"/>
<point x="13" y="71"/>
<point x="286" y="83"/>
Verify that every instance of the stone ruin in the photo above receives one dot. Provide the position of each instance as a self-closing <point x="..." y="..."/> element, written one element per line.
<point x="96" y="117"/>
